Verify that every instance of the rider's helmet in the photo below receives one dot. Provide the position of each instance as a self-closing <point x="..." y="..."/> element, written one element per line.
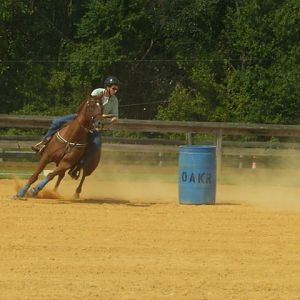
<point x="111" y="80"/>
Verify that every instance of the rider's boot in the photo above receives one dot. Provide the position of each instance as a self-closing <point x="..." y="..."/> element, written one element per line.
<point x="40" y="146"/>
<point x="74" y="172"/>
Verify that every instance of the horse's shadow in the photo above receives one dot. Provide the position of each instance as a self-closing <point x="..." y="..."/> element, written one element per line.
<point x="108" y="201"/>
<point x="111" y="201"/>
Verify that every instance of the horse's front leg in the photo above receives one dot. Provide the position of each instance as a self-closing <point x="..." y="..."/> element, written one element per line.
<point x="58" y="171"/>
<point x="22" y="192"/>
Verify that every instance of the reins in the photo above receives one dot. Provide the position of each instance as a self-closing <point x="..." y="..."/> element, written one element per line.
<point x="85" y="128"/>
<point x="88" y="130"/>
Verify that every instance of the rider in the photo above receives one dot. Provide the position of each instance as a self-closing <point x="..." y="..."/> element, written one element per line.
<point x="110" y="110"/>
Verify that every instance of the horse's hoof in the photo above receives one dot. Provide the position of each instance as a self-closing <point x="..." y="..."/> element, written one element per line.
<point x="76" y="196"/>
<point x="17" y="197"/>
<point x="33" y="192"/>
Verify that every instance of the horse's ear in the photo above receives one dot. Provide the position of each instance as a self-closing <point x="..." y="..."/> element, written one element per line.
<point x="88" y="92"/>
<point x="80" y="107"/>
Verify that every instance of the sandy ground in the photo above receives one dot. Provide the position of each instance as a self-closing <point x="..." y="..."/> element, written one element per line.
<point x="130" y="239"/>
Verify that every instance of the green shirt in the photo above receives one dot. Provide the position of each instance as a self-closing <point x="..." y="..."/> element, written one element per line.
<point x="110" y="104"/>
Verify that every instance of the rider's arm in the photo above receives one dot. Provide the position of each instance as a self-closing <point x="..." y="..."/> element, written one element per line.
<point x="113" y="111"/>
<point x="97" y="92"/>
<point x="115" y="108"/>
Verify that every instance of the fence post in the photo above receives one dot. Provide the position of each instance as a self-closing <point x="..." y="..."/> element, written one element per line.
<point x="160" y="157"/>
<point x="188" y="138"/>
<point x="219" y="137"/>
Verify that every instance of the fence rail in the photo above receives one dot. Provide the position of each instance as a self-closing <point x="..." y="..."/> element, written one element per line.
<point x="21" y="121"/>
<point x="215" y="128"/>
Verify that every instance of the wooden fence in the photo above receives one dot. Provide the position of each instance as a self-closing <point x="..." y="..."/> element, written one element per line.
<point x="188" y="128"/>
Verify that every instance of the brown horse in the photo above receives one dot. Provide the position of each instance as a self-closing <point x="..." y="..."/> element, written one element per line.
<point x="67" y="146"/>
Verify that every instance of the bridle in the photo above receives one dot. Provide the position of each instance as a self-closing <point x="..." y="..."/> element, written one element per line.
<point x="89" y="109"/>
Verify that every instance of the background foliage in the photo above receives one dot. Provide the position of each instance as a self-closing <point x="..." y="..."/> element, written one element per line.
<point x="198" y="60"/>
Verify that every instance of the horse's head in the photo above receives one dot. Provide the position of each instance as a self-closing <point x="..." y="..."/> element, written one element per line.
<point x="90" y="113"/>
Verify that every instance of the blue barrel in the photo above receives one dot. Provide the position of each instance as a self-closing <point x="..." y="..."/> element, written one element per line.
<point x="197" y="174"/>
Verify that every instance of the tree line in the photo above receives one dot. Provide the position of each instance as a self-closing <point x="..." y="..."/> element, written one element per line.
<point x="197" y="60"/>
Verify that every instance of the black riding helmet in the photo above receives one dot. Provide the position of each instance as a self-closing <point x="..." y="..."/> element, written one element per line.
<point x="111" y="80"/>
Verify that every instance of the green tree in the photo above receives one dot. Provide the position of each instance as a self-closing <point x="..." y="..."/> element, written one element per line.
<point x="32" y="34"/>
<point x="246" y="64"/>
<point x="123" y="38"/>
<point x="262" y="41"/>
<point x="233" y="60"/>
<point x="193" y="37"/>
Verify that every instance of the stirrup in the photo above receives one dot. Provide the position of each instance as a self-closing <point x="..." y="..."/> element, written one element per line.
<point x="75" y="172"/>
<point x="39" y="147"/>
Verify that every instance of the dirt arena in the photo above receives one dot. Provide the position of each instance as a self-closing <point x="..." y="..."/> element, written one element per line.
<point x="128" y="238"/>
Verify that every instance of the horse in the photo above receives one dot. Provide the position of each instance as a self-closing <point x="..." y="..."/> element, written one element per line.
<point x="67" y="147"/>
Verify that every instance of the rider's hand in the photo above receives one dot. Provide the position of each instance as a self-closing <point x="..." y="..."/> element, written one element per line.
<point x="114" y="120"/>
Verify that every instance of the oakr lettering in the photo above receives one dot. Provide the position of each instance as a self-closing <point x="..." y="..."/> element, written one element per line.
<point x="184" y="176"/>
<point x="201" y="178"/>
<point x="208" y="178"/>
<point x="192" y="178"/>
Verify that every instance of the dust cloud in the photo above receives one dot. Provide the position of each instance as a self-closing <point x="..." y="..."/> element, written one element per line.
<point x="128" y="183"/>
<point x="274" y="186"/>
<point x="275" y="189"/>
<point x="116" y="182"/>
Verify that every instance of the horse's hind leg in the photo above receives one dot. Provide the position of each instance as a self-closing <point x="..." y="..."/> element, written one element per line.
<point x="79" y="188"/>
<point x="87" y="170"/>
<point x="58" y="181"/>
